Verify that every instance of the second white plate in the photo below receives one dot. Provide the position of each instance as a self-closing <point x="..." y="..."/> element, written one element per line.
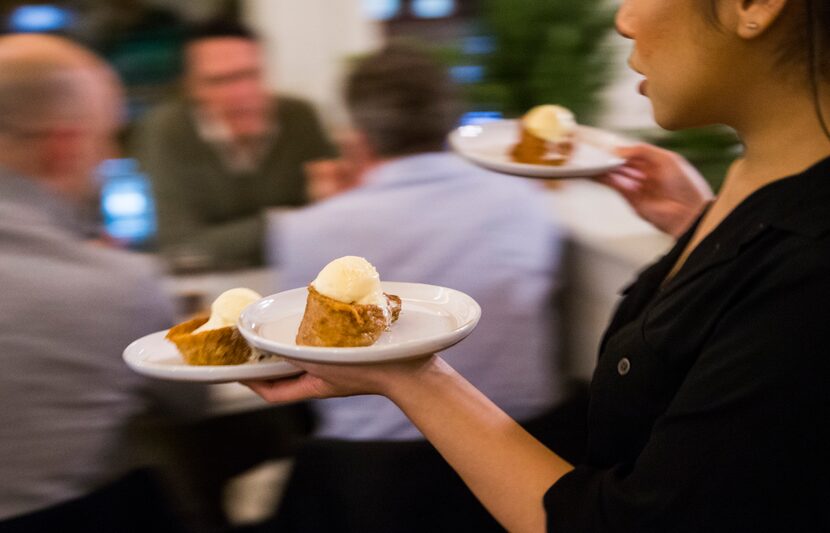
<point x="489" y="144"/>
<point x="432" y="319"/>
<point x="155" y="356"/>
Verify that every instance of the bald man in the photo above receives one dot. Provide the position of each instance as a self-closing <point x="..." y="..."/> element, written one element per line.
<point x="68" y="308"/>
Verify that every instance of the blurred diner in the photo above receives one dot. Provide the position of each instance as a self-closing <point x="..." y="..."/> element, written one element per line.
<point x="69" y="307"/>
<point x="225" y="151"/>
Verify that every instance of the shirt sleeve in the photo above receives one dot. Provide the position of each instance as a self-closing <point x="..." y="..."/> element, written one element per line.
<point x="743" y="443"/>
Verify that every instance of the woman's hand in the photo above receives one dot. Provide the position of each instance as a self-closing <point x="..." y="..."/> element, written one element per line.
<point x="332" y="381"/>
<point x="661" y="186"/>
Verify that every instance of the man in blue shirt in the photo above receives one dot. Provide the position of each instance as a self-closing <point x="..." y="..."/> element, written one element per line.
<point x="420" y="214"/>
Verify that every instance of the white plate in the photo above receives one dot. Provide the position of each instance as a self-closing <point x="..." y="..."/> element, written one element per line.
<point x="432" y="319"/>
<point x="157" y="357"/>
<point x="489" y="144"/>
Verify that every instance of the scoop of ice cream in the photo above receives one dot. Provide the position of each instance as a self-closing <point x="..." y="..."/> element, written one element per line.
<point x="351" y="280"/>
<point x="551" y="123"/>
<point x="227" y="307"/>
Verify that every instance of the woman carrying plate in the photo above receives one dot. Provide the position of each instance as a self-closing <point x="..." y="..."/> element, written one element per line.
<point x="709" y="408"/>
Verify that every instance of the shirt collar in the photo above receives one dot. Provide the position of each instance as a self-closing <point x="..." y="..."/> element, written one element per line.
<point x="216" y="131"/>
<point x="414" y="168"/>
<point x="801" y="203"/>
<point x="798" y="204"/>
<point x="237" y="157"/>
<point x="210" y="129"/>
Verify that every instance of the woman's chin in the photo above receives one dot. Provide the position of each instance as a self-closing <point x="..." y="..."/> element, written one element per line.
<point x="675" y="122"/>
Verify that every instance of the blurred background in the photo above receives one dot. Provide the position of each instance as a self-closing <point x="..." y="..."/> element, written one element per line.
<point x="504" y="56"/>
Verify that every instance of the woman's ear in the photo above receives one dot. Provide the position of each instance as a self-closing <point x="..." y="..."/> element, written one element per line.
<point x="752" y="18"/>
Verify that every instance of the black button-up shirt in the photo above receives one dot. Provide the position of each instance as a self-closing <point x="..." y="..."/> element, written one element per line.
<point x="710" y="402"/>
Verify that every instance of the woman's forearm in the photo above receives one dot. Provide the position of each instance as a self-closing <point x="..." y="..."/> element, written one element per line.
<point x="507" y="469"/>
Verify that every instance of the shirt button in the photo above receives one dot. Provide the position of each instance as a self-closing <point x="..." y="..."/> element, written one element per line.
<point x="623" y="366"/>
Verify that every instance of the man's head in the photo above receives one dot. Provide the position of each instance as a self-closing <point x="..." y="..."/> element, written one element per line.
<point x="224" y="76"/>
<point x="60" y="107"/>
<point x="401" y="101"/>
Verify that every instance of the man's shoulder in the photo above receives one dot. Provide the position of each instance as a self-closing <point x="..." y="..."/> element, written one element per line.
<point x="54" y="257"/>
<point x="293" y="106"/>
<point x="132" y="283"/>
<point x="169" y="113"/>
<point x="475" y="183"/>
<point x="168" y="126"/>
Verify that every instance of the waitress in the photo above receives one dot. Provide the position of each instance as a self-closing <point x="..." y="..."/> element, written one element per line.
<point x="710" y="405"/>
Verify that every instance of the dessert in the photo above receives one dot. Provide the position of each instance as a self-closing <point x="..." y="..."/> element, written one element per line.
<point x="547" y="135"/>
<point x="346" y="306"/>
<point x="215" y="340"/>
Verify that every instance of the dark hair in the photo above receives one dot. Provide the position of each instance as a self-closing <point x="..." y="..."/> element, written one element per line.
<point x="808" y="35"/>
<point x="218" y="28"/>
<point x="807" y="39"/>
<point x="403" y="100"/>
<point x="808" y="43"/>
<point x="818" y="24"/>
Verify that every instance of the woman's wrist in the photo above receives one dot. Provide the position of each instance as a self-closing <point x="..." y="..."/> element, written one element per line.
<point x="415" y="377"/>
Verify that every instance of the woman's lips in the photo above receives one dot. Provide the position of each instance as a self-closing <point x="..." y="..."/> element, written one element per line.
<point x="643" y="87"/>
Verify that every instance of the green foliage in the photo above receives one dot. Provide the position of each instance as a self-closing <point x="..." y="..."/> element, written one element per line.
<point x="546" y="51"/>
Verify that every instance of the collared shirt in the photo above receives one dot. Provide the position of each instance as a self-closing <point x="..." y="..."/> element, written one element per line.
<point x="238" y="155"/>
<point x="710" y="404"/>
<point x="67" y="311"/>
<point x="436" y="219"/>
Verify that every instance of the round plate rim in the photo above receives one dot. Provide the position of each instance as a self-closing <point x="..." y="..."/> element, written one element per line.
<point x="544" y="172"/>
<point x="202" y="373"/>
<point x="367" y="354"/>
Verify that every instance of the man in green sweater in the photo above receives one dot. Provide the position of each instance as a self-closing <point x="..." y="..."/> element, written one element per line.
<point x="228" y="150"/>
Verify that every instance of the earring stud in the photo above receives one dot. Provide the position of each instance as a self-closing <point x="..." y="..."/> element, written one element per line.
<point x="752" y="25"/>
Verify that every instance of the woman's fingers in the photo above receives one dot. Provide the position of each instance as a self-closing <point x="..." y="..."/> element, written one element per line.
<point x="302" y="387"/>
<point x="642" y="152"/>
<point x="631" y="172"/>
<point x="620" y="182"/>
<point x="647" y="157"/>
